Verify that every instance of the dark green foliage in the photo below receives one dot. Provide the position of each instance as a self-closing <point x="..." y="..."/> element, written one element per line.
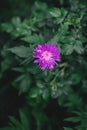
<point x="31" y="23"/>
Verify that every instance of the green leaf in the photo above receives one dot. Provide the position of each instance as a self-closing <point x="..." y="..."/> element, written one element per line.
<point x="16" y="21"/>
<point x="7" y="27"/>
<point x="21" y="51"/>
<point x="16" y="28"/>
<point x="33" y="38"/>
<point x="58" y="14"/>
<point x="78" y="47"/>
<point x="63" y="29"/>
<point x="55" y="39"/>
<point x="34" y="92"/>
<point x="68" y="49"/>
<point x="67" y="128"/>
<point x="75" y="78"/>
<point x="41" y="119"/>
<point x="73" y="119"/>
<point x="45" y="94"/>
<point x="23" y="124"/>
<point x="55" y="12"/>
<point x="24" y="120"/>
<point x="24" y="84"/>
<point x="14" y="122"/>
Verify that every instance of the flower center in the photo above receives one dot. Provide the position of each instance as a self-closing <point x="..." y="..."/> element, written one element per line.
<point x="46" y="55"/>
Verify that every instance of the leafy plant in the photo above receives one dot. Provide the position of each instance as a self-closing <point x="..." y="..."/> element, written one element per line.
<point x="64" y="25"/>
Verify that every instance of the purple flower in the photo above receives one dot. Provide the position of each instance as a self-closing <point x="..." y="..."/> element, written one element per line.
<point x="46" y="55"/>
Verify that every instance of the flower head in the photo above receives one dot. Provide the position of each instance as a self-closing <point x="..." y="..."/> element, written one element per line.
<point x="46" y="55"/>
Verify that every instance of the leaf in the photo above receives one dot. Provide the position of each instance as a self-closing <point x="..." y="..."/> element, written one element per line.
<point x="33" y="38"/>
<point x="73" y="119"/>
<point x="63" y="29"/>
<point x="16" y="28"/>
<point x="24" y="120"/>
<point x="55" y="12"/>
<point x="34" y="92"/>
<point x="7" y="27"/>
<point x="41" y="119"/>
<point x="67" y="128"/>
<point x="24" y="84"/>
<point x="16" y="21"/>
<point x="68" y="49"/>
<point x="21" y="51"/>
<point x="55" y="39"/>
<point x="45" y="94"/>
<point x="75" y="78"/>
<point x="78" y="47"/>
<point x="58" y="14"/>
<point x="40" y="6"/>
<point x="14" y="122"/>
